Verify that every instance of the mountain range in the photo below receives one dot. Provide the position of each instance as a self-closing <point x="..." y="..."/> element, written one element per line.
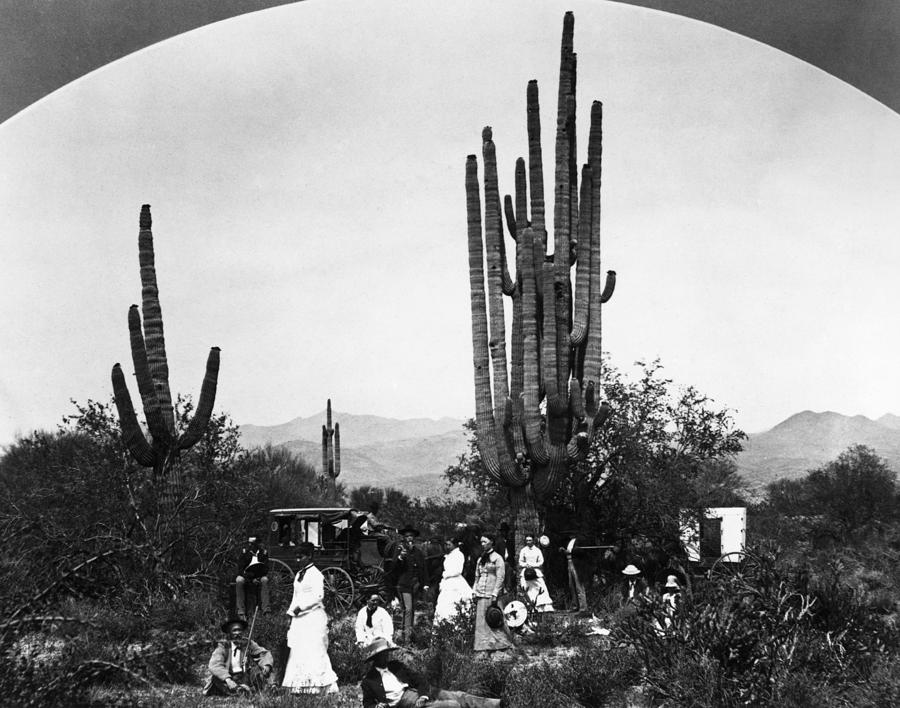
<point x="412" y="454"/>
<point x="808" y="440"/>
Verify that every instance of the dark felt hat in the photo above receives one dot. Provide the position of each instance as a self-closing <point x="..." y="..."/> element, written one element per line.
<point x="409" y="529"/>
<point x="226" y="626"/>
<point x="305" y="548"/>
<point x="493" y="615"/>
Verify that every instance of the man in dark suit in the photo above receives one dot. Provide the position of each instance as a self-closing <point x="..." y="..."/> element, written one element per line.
<point x="392" y="684"/>
<point x="410" y="576"/>
<point x="252" y="567"/>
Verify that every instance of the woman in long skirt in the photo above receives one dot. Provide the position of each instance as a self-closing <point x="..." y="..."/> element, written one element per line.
<point x="489" y="575"/>
<point x="455" y="594"/>
<point x="308" y="668"/>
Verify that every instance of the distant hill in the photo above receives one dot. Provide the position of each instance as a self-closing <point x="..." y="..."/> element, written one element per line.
<point x="355" y="429"/>
<point x="410" y="454"/>
<point x="809" y="440"/>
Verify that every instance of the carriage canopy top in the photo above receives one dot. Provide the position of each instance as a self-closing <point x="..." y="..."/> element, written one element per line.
<point x="327" y="514"/>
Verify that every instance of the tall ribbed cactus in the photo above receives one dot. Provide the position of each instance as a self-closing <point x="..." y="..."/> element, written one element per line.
<point x="331" y="446"/>
<point x="555" y="352"/>
<point x="148" y="352"/>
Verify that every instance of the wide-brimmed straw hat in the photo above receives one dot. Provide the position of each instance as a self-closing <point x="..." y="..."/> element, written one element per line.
<point x="672" y="582"/>
<point x="380" y="644"/>
<point x="631" y="570"/>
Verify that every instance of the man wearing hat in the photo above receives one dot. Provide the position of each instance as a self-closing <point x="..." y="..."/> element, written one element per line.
<point x="392" y="683"/>
<point x="253" y="567"/>
<point x="635" y="587"/>
<point x="373" y="621"/>
<point x="409" y="576"/>
<point x="237" y="664"/>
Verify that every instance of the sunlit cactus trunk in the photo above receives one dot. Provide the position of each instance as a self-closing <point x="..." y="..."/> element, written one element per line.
<point x="331" y="447"/>
<point x="555" y="337"/>
<point x="148" y="352"/>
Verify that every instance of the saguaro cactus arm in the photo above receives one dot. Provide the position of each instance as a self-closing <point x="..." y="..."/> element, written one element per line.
<point x="337" y="450"/>
<point x="203" y="412"/>
<point x="132" y="434"/>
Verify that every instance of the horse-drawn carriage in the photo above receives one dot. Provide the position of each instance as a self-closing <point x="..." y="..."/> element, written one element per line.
<point x="350" y="557"/>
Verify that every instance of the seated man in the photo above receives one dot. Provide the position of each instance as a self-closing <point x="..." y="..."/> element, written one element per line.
<point x="391" y="683"/>
<point x="252" y="567"/>
<point x="284" y="530"/>
<point x="237" y="664"/>
<point x="374" y="621"/>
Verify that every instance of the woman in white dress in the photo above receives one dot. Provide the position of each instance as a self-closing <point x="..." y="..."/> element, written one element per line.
<point x="455" y="593"/>
<point x="308" y="667"/>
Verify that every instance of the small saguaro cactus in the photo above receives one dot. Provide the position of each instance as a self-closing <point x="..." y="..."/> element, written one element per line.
<point x="148" y="352"/>
<point x="331" y="446"/>
<point x="555" y="341"/>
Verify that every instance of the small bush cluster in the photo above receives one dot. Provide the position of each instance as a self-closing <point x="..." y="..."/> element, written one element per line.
<point x="583" y="676"/>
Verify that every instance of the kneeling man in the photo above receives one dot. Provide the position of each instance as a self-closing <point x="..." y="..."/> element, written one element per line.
<point x="237" y="664"/>
<point x="392" y="683"/>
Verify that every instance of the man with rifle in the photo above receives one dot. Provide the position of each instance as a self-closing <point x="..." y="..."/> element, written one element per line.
<point x="237" y="664"/>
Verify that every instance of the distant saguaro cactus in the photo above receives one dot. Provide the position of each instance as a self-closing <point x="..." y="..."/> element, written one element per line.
<point x="148" y="352"/>
<point x="555" y="354"/>
<point x="331" y="446"/>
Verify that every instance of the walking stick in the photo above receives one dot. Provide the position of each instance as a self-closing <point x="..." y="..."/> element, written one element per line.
<point x="247" y="645"/>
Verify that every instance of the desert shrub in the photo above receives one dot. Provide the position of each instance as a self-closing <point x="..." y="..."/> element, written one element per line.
<point x="585" y="676"/>
<point x="759" y="637"/>
<point x="450" y="662"/>
<point x="346" y="658"/>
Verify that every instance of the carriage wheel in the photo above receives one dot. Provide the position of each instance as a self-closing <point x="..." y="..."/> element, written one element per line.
<point x="371" y="580"/>
<point x="339" y="591"/>
<point x="281" y="586"/>
<point x="738" y="564"/>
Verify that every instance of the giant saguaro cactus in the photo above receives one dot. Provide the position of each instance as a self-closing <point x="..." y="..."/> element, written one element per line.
<point x="331" y="447"/>
<point x="148" y="352"/>
<point x="555" y="357"/>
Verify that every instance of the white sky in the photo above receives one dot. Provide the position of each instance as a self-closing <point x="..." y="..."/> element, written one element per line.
<point x="305" y="167"/>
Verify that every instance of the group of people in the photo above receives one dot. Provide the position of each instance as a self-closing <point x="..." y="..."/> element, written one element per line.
<point x="308" y="667"/>
<point x="456" y="594"/>
<point x="635" y="590"/>
<point x="239" y="664"/>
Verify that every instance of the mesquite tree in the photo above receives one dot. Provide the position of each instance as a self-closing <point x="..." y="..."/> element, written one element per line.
<point x="555" y="357"/>
<point x="148" y="352"/>
<point x="331" y="447"/>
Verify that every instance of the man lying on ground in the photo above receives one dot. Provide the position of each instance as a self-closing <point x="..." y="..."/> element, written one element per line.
<point x="392" y="684"/>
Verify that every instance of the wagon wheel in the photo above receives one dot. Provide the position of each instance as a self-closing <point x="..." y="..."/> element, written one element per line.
<point x="737" y="564"/>
<point x="371" y="580"/>
<point x="281" y="586"/>
<point x="339" y="591"/>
